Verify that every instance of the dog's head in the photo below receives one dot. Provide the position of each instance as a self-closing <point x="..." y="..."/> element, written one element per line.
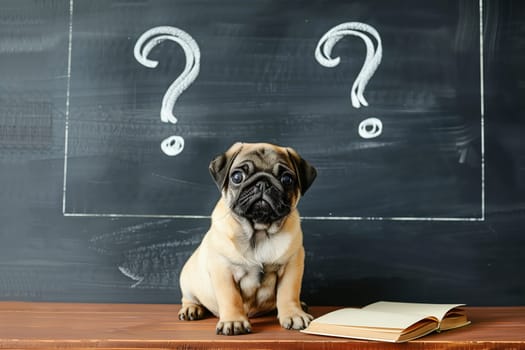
<point x="261" y="182"/>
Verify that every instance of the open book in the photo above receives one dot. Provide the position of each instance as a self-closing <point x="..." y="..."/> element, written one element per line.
<point x="389" y="321"/>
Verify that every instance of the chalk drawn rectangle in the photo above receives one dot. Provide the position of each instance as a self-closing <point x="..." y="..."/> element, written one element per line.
<point x="259" y="77"/>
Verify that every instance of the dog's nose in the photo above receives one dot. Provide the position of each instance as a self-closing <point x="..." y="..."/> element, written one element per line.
<point x="262" y="185"/>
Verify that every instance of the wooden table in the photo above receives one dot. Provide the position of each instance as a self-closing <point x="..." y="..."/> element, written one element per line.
<point x="125" y="326"/>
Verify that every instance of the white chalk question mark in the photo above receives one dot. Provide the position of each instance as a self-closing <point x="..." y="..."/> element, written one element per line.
<point x="370" y="127"/>
<point x="172" y="145"/>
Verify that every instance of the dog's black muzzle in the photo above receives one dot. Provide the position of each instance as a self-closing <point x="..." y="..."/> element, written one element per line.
<point x="262" y="199"/>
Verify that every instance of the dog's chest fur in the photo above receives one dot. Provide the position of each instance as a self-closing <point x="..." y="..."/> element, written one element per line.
<point x="258" y="275"/>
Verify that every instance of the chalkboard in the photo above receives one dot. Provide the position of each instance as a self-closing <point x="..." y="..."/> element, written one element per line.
<point x="259" y="80"/>
<point x="412" y="113"/>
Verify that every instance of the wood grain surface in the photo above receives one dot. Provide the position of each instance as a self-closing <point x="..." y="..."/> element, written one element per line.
<point x="119" y="326"/>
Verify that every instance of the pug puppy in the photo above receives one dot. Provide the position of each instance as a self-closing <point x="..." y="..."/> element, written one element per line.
<point x="251" y="260"/>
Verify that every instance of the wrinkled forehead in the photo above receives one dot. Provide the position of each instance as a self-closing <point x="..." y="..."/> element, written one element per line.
<point x="263" y="158"/>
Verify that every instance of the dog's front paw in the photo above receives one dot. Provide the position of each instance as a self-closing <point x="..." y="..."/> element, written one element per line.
<point x="241" y="326"/>
<point x="191" y="312"/>
<point x="295" y="319"/>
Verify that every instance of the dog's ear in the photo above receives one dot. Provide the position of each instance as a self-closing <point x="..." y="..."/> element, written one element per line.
<point x="305" y="172"/>
<point x="220" y="166"/>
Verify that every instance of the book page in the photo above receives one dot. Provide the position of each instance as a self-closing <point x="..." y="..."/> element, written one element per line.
<point x="422" y="310"/>
<point x="371" y="319"/>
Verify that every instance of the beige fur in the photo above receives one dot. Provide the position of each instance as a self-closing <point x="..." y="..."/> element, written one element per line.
<point x="241" y="268"/>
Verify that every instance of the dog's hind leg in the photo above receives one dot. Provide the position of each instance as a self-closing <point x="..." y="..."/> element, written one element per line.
<point x="191" y="311"/>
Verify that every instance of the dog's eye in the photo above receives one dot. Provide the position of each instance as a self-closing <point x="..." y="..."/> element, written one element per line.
<point x="287" y="179"/>
<point x="237" y="177"/>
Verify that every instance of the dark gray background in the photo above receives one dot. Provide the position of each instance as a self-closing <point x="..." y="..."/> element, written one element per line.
<point x="259" y="81"/>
